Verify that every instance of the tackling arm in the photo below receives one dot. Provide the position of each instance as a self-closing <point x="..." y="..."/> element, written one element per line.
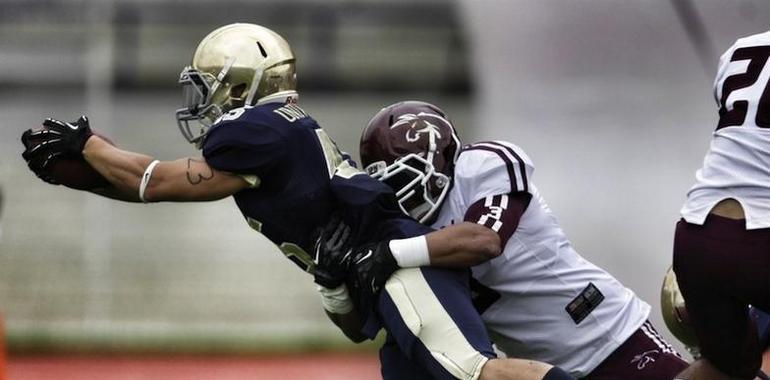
<point x="489" y="223"/>
<point x="182" y="180"/>
<point x="462" y="245"/>
<point x="459" y="245"/>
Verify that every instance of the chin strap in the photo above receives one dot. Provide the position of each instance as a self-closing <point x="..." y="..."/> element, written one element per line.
<point x="762" y="375"/>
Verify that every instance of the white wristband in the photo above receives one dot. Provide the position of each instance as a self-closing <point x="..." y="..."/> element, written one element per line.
<point x="337" y="300"/>
<point x="146" y="179"/>
<point x="411" y="252"/>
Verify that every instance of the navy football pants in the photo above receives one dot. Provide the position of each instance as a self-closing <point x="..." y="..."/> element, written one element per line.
<point x="434" y="332"/>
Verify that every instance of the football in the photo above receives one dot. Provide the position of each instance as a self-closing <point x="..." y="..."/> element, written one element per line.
<point x="76" y="173"/>
<point x="674" y="310"/>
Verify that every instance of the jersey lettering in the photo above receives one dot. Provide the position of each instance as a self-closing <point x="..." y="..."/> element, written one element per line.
<point x="745" y="99"/>
<point x="291" y="112"/>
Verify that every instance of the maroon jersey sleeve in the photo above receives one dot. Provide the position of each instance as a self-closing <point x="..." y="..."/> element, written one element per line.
<point x="501" y="213"/>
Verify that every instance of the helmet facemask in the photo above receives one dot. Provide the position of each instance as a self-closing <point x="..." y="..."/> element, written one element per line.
<point x="198" y="107"/>
<point x="420" y="189"/>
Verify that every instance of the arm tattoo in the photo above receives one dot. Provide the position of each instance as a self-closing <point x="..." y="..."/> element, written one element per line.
<point x="194" y="175"/>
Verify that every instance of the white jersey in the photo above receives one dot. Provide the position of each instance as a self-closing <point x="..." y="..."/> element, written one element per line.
<point x="737" y="164"/>
<point x="554" y="306"/>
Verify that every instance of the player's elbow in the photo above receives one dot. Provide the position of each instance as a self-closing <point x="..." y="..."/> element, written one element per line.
<point x="482" y="240"/>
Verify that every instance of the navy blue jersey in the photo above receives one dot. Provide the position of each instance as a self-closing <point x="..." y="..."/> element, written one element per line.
<point x="300" y="178"/>
<point x="762" y="320"/>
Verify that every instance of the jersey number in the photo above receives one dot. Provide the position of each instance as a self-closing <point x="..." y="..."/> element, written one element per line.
<point x="292" y="251"/>
<point x="233" y="114"/>
<point x="335" y="163"/>
<point x="740" y="90"/>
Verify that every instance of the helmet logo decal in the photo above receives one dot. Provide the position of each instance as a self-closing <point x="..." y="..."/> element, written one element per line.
<point x="412" y="120"/>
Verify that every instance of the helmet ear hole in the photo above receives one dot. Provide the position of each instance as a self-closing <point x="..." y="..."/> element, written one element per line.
<point x="238" y="95"/>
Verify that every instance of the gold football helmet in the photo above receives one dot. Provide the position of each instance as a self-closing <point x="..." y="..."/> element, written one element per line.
<point x="234" y="66"/>
<point x="674" y="312"/>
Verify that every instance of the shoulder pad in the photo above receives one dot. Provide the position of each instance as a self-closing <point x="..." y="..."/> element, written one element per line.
<point x="496" y="158"/>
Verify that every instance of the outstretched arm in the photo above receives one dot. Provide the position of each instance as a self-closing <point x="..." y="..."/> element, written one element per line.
<point x="183" y="180"/>
<point x="133" y="176"/>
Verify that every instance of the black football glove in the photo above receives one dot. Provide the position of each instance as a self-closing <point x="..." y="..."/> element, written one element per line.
<point x="42" y="147"/>
<point x="39" y="165"/>
<point x="332" y="254"/>
<point x="370" y="267"/>
<point x="56" y="139"/>
<point x="364" y="268"/>
<point x="72" y="136"/>
<point x="37" y="155"/>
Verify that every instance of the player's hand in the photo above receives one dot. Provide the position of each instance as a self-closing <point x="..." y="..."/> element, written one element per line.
<point x="370" y="267"/>
<point x="365" y="268"/>
<point x="37" y="155"/>
<point x="332" y="254"/>
<point x="42" y="147"/>
<point x="68" y="138"/>
<point x="57" y="138"/>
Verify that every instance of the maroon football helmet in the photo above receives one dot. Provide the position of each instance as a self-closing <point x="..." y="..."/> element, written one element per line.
<point x="412" y="146"/>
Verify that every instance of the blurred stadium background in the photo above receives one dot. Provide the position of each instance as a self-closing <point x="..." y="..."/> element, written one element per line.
<point x="612" y="100"/>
